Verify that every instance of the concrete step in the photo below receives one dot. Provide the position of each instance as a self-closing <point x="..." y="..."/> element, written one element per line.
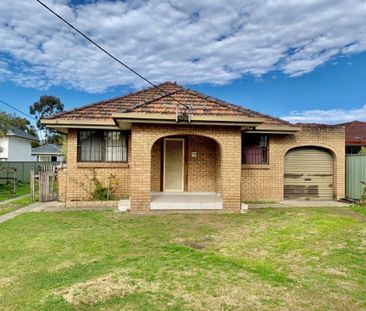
<point x="185" y="201"/>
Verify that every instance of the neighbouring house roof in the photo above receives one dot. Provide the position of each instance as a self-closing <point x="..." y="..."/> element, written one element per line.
<point x="154" y="101"/>
<point x="355" y="133"/>
<point x="49" y="149"/>
<point x="12" y="131"/>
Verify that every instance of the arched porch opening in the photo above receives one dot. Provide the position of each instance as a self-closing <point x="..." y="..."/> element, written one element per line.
<point x="186" y="168"/>
<point x="201" y="163"/>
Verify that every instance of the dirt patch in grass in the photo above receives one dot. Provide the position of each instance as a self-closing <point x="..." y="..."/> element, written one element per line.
<point x="99" y="289"/>
<point x="197" y="243"/>
<point x="6" y="281"/>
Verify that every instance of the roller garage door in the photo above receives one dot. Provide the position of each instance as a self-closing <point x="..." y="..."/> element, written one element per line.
<point x="308" y="174"/>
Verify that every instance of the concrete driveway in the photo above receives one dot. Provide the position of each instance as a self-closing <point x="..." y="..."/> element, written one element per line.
<point x="300" y="203"/>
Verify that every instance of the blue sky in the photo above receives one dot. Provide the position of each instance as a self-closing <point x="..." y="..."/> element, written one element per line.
<point x="316" y="76"/>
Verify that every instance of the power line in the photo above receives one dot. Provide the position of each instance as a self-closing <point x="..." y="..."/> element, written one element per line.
<point x="16" y="109"/>
<point x="39" y="133"/>
<point x="109" y="54"/>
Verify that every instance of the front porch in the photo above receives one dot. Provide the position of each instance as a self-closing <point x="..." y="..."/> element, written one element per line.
<point x="185" y="201"/>
<point x="190" y="168"/>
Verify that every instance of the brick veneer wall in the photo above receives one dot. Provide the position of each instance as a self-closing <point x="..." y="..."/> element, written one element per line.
<point x="156" y="155"/>
<point x="219" y="169"/>
<point x="201" y="169"/>
<point x="265" y="182"/>
<point x="70" y="179"/>
<point x="143" y="139"/>
<point x="61" y="181"/>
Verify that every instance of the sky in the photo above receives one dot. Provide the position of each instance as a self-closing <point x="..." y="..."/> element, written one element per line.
<point x="304" y="61"/>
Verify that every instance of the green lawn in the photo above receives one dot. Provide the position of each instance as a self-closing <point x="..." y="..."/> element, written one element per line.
<point x="268" y="259"/>
<point x="6" y="190"/>
<point x="14" y="205"/>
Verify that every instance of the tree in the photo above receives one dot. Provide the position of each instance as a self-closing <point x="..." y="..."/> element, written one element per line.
<point x="46" y="106"/>
<point x="8" y="120"/>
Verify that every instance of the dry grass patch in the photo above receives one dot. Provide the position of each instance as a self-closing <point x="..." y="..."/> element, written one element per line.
<point x="99" y="289"/>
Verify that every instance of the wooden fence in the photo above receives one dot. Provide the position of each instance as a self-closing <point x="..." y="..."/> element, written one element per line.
<point x="23" y="168"/>
<point x="47" y="183"/>
<point x="355" y="173"/>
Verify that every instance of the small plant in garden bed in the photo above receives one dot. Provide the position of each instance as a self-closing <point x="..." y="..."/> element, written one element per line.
<point x="97" y="190"/>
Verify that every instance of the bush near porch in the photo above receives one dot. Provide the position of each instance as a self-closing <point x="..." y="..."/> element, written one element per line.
<point x="268" y="259"/>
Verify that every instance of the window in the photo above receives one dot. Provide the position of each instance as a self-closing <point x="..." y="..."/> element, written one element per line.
<point x="102" y="146"/>
<point x="255" y="148"/>
<point x="44" y="158"/>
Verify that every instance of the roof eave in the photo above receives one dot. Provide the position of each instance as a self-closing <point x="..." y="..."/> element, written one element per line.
<point x="46" y="153"/>
<point x="61" y="125"/>
<point x="35" y="139"/>
<point x="124" y="119"/>
<point x="268" y="128"/>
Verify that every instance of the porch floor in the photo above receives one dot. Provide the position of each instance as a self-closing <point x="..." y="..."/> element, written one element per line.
<point x="185" y="201"/>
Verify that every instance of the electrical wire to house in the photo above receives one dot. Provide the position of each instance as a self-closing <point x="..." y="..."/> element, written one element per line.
<point x="112" y="56"/>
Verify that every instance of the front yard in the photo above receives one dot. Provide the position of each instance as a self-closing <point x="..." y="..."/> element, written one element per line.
<point x="6" y="190"/>
<point x="270" y="259"/>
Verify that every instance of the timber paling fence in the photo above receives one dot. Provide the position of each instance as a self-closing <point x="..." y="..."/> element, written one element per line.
<point x="355" y="174"/>
<point x="47" y="183"/>
<point x="24" y="168"/>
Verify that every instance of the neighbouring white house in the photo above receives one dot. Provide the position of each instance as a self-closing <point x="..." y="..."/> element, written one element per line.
<point x="48" y="153"/>
<point x="16" y="145"/>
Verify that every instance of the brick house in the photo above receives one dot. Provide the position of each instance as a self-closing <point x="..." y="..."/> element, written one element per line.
<point x="201" y="145"/>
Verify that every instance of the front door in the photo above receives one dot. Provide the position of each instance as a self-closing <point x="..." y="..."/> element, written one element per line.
<point x="173" y="164"/>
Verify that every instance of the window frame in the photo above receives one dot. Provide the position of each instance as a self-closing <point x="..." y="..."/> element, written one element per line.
<point x="104" y="148"/>
<point x="267" y="148"/>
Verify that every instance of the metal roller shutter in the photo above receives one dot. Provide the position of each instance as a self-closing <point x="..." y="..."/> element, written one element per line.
<point x="308" y="174"/>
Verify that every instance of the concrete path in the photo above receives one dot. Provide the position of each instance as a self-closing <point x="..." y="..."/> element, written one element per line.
<point x="14" y="199"/>
<point x="299" y="203"/>
<point x="19" y="211"/>
<point x="53" y="206"/>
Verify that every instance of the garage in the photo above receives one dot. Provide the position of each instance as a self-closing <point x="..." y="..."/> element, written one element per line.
<point x="309" y="174"/>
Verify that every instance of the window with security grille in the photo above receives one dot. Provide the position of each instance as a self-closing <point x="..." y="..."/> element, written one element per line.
<point x="102" y="146"/>
<point x="255" y="148"/>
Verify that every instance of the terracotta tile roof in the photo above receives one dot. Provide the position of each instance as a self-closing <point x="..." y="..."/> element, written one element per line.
<point x="320" y="125"/>
<point x="355" y="133"/>
<point x="154" y="100"/>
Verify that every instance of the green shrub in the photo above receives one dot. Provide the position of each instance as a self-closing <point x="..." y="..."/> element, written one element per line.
<point x="96" y="189"/>
<point x="101" y="192"/>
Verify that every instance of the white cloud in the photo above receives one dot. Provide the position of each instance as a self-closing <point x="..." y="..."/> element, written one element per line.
<point x="190" y="41"/>
<point x="332" y="116"/>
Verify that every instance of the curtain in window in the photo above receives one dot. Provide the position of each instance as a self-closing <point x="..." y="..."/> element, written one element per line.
<point x="116" y="147"/>
<point x="100" y="146"/>
<point x="254" y="149"/>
